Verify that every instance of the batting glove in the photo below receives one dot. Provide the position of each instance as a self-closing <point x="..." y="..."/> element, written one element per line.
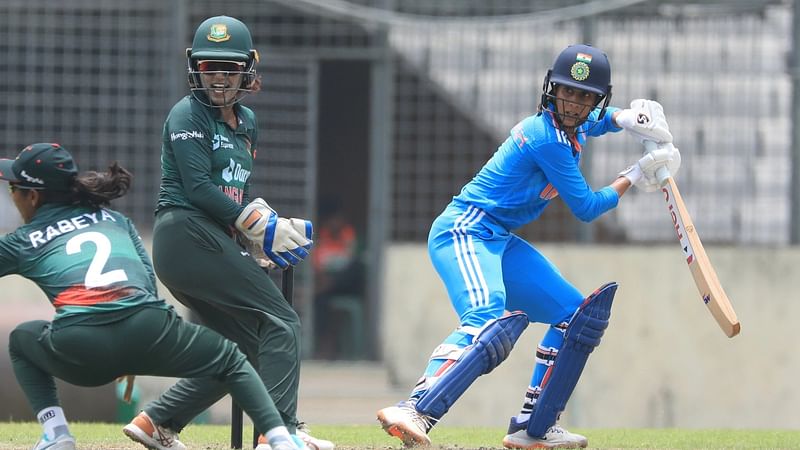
<point x="645" y="120"/>
<point x="644" y="173"/>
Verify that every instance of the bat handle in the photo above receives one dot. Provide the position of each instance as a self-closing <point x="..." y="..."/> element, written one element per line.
<point x="662" y="173"/>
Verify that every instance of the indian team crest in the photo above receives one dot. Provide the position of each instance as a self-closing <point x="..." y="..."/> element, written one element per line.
<point x="218" y="33"/>
<point x="579" y="71"/>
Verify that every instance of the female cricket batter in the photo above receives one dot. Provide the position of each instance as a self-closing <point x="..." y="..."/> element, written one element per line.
<point x="209" y="143"/>
<point x="488" y="270"/>
<point x="109" y="321"/>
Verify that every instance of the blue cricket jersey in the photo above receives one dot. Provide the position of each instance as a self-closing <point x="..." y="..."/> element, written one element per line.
<point x="536" y="163"/>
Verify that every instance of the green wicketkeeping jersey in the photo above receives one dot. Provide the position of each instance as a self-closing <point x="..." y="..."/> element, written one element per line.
<point x="85" y="260"/>
<point x="205" y="165"/>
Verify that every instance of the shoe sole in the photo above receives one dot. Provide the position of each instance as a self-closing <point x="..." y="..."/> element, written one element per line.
<point x="62" y="446"/>
<point x="313" y="446"/>
<point x="508" y="444"/>
<point x="409" y="438"/>
<point x="310" y="445"/>
<point x="132" y="434"/>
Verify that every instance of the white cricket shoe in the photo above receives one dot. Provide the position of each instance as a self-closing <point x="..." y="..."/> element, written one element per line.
<point x="306" y="442"/>
<point x="304" y="433"/>
<point x="404" y="422"/>
<point x="60" y="442"/>
<point x="154" y="437"/>
<point x="283" y="444"/>
<point x="555" y="437"/>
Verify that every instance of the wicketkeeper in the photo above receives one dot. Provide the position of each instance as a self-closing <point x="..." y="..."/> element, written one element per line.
<point x="204" y="208"/>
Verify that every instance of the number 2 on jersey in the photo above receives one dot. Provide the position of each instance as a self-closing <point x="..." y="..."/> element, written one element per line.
<point x="95" y="277"/>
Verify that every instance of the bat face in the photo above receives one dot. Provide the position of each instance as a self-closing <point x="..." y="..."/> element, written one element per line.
<point x="677" y="222"/>
<point x="705" y="277"/>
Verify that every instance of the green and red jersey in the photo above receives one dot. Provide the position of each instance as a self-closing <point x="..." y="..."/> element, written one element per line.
<point x="206" y="165"/>
<point x="85" y="260"/>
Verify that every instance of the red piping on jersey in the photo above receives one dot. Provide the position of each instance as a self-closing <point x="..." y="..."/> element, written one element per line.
<point x="80" y="295"/>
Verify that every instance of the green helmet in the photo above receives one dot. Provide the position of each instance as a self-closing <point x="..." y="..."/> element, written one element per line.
<point x="222" y="38"/>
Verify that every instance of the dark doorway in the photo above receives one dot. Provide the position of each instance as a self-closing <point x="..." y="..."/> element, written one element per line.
<point x="342" y="196"/>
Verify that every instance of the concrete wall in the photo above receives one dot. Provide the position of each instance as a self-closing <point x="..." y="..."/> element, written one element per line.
<point x="663" y="361"/>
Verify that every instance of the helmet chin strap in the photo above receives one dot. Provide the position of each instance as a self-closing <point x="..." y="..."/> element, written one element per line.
<point x="551" y="106"/>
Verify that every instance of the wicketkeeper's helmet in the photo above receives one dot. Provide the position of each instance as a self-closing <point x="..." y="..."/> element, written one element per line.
<point x="582" y="67"/>
<point x="222" y="39"/>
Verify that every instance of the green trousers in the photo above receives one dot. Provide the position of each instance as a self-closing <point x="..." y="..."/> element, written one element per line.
<point x="144" y="340"/>
<point x="207" y="271"/>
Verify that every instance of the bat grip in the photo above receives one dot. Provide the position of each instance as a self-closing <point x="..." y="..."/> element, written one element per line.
<point x="662" y="173"/>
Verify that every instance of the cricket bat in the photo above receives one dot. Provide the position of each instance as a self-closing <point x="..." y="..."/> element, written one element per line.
<point x="705" y="277"/>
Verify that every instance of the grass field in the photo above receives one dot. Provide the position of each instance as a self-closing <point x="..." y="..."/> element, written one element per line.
<point x="94" y="436"/>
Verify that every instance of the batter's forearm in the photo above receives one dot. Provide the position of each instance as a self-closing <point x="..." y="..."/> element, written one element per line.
<point x="621" y="185"/>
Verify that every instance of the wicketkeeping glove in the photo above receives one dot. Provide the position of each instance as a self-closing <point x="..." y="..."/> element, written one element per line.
<point x="646" y="121"/>
<point x="285" y="241"/>
<point x="255" y="250"/>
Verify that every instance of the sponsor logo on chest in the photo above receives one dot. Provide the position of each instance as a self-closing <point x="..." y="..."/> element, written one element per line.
<point x="235" y="172"/>
<point x="219" y="141"/>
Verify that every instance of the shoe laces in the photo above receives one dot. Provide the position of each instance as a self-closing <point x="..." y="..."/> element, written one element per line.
<point x="302" y="426"/>
<point x="421" y="420"/>
<point x="165" y="436"/>
<point x="556" y="429"/>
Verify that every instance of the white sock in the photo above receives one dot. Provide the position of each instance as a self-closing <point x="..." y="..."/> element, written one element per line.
<point x="53" y="421"/>
<point x="278" y="433"/>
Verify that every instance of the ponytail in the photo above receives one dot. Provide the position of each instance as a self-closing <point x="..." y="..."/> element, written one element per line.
<point x="94" y="189"/>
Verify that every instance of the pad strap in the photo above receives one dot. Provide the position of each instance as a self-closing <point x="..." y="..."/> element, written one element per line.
<point x="489" y="348"/>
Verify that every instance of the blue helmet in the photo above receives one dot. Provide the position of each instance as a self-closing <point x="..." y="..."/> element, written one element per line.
<point x="582" y="67"/>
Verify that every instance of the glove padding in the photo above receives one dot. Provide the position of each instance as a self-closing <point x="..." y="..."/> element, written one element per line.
<point x="646" y="121"/>
<point x="644" y="174"/>
<point x="284" y="241"/>
<point x="651" y="182"/>
<point x="255" y="250"/>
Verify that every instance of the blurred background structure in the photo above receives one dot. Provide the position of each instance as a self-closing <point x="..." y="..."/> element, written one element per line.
<point x="392" y="105"/>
